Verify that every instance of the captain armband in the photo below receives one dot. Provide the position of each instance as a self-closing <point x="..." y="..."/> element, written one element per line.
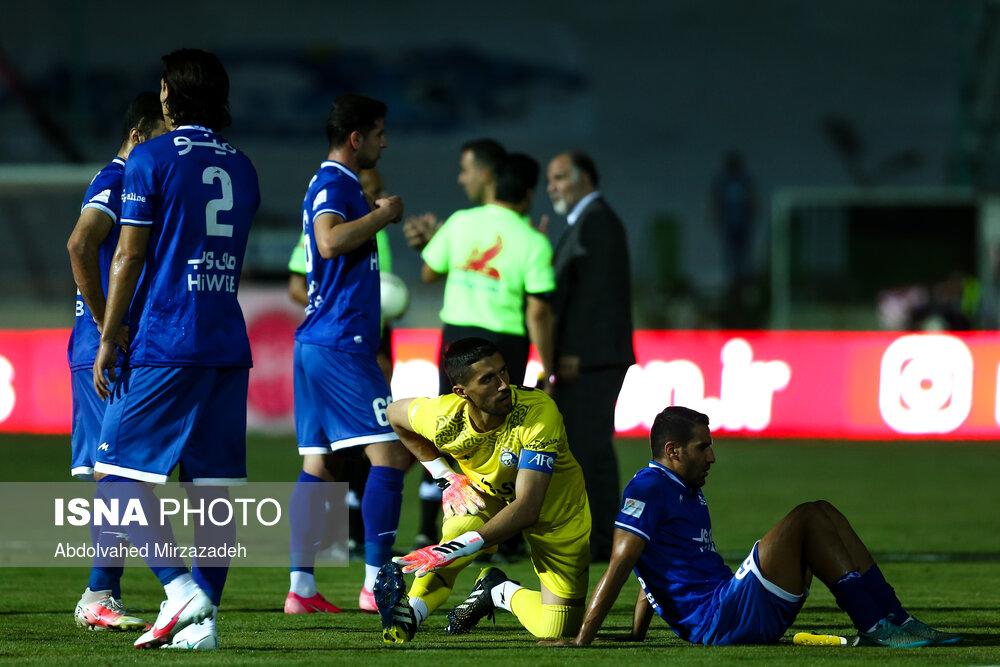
<point x="540" y="461"/>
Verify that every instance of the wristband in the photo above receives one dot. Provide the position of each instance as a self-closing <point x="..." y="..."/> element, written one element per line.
<point x="471" y="542"/>
<point x="438" y="468"/>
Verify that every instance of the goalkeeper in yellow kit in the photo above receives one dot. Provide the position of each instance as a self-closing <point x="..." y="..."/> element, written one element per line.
<point x="517" y="475"/>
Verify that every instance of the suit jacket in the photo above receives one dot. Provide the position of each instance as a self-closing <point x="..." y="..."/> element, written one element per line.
<point x="593" y="301"/>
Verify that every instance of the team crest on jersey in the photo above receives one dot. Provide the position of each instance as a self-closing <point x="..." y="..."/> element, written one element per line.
<point x="103" y="196"/>
<point x="633" y="507"/>
<point x="507" y="458"/>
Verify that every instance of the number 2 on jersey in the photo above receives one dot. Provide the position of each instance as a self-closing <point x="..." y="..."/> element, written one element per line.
<point x="223" y="203"/>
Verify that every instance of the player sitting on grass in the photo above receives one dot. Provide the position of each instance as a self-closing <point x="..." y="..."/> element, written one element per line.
<point x="663" y="531"/>
<point x="518" y="475"/>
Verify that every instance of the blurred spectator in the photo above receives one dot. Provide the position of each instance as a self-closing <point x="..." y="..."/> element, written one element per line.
<point x="950" y="305"/>
<point x="733" y="211"/>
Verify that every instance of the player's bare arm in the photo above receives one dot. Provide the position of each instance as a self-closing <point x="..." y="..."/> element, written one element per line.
<point x="641" y="617"/>
<point x="624" y="554"/>
<point x="418" y="229"/>
<point x="336" y="237"/>
<point x="126" y="267"/>
<point x="429" y="275"/>
<point x="92" y="227"/>
<point x="458" y="495"/>
<point x="422" y="448"/>
<point x="530" y="487"/>
<point x="298" y="290"/>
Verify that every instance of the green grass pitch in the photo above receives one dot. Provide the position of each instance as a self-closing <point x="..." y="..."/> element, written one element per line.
<point x="929" y="512"/>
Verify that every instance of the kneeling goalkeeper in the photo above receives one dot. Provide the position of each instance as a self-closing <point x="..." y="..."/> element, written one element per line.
<point x="517" y="475"/>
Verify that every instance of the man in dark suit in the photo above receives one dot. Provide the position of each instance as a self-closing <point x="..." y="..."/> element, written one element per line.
<point x="592" y="331"/>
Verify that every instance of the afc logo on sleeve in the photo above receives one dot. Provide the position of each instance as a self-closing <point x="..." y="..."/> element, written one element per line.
<point x="633" y="507"/>
<point x="543" y="461"/>
<point x="540" y="461"/>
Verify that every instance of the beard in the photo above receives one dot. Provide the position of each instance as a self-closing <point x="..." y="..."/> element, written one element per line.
<point x="495" y="407"/>
<point x="560" y="206"/>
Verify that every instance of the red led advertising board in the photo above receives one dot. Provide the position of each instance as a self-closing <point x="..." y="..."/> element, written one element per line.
<point x="790" y="384"/>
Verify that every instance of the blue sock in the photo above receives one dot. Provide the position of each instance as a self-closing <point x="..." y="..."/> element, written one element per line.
<point x="210" y="573"/>
<point x="105" y="573"/>
<point x="145" y="538"/>
<point x="884" y="595"/>
<point x="305" y="514"/>
<point x="851" y="595"/>
<point x="106" y="578"/>
<point x="380" y="506"/>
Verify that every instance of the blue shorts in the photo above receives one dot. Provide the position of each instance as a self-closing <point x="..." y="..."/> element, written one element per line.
<point x="749" y="609"/>
<point x="88" y="412"/>
<point x="159" y="417"/>
<point x="340" y="400"/>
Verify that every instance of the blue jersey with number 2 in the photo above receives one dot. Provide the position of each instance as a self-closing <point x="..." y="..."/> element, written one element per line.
<point x="198" y="196"/>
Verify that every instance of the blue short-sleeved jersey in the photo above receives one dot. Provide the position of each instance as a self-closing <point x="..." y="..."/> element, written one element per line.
<point x="198" y="195"/>
<point x="344" y="309"/>
<point x="679" y="567"/>
<point x="105" y="195"/>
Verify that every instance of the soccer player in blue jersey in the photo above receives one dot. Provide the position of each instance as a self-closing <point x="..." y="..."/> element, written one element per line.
<point x="189" y="198"/>
<point x="341" y="395"/>
<point x="663" y="533"/>
<point x="90" y="247"/>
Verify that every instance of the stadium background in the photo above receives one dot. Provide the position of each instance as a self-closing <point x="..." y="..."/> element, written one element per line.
<point x="656" y="92"/>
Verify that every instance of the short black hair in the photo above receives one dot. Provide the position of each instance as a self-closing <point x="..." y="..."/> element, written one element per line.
<point x="488" y="153"/>
<point x="676" y="424"/>
<point x="517" y="174"/>
<point x="352" y="112"/>
<point x="583" y="162"/>
<point x="144" y="113"/>
<point x="460" y="355"/>
<point x="198" y="89"/>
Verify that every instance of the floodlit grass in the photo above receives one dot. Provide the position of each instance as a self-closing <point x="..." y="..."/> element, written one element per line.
<point x="928" y="511"/>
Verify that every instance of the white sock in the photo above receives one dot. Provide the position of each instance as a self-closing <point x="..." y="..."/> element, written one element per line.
<point x="181" y="588"/>
<point x="419" y="609"/>
<point x="302" y="584"/>
<point x="502" y="594"/>
<point x="370" y="572"/>
<point x="89" y="596"/>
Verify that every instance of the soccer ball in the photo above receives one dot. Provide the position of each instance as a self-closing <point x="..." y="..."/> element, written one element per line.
<point x="395" y="296"/>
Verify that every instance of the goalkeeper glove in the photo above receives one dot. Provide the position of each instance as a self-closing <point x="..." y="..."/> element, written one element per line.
<point x="458" y="496"/>
<point x="437" y="556"/>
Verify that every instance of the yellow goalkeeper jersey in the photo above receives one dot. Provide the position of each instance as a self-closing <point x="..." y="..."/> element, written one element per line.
<point x="490" y="460"/>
